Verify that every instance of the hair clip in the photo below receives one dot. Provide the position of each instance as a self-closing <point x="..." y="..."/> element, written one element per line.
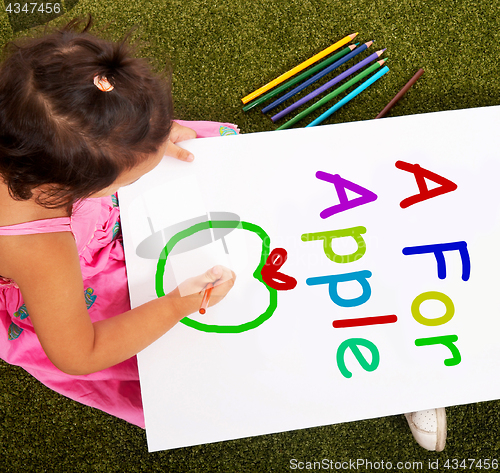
<point x="102" y="83"/>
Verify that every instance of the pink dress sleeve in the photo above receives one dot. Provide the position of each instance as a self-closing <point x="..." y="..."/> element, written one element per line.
<point x="61" y="224"/>
<point x="210" y="129"/>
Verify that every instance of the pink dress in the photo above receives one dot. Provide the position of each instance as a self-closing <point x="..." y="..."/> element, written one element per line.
<point x="96" y="229"/>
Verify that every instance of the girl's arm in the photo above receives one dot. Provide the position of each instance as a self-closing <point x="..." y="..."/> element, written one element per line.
<point x="47" y="269"/>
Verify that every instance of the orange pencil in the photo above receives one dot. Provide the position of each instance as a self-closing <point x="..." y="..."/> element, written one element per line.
<point x="206" y="298"/>
<point x="298" y="68"/>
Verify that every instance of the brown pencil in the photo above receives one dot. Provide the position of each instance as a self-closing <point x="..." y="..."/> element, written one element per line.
<point x="400" y="94"/>
<point x="206" y="298"/>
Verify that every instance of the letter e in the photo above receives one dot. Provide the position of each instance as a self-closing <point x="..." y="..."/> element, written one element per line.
<point x="353" y="344"/>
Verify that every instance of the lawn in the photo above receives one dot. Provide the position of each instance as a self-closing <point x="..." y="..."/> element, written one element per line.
<point x="220" y="51"/>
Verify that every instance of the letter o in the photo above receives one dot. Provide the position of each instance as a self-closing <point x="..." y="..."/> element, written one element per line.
<point x="432" y="295"/>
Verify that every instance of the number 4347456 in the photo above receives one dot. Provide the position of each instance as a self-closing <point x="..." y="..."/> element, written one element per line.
<point x="33" y="7"/>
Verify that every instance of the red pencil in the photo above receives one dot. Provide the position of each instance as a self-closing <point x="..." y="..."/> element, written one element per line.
<point x="206" y="298"/>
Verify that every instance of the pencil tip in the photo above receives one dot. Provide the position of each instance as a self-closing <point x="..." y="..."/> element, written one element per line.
<point x="381" y="51"/>
<point x="352" y="36"/>
<point x="369" y="43"/>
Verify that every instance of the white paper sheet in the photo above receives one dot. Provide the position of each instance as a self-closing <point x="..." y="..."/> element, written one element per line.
<point x="284" y="372"/>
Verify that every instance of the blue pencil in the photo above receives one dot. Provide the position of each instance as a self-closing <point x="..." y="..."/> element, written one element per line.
<point x="328" y="85"/>
<point x="317" y="76"/>
<point x="353" y="94"/>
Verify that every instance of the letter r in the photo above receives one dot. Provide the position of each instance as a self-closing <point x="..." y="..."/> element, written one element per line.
<point x="446" y="340"/>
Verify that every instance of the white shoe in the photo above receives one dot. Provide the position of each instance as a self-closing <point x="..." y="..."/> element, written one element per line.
<point x="429" y="428"/>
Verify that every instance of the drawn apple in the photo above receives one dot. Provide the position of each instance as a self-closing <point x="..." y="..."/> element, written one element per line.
<point x="218" y="225"/>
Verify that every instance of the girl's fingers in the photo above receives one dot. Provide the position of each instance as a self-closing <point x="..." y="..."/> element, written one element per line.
<point x="214" y="276"/>
<point x="181" y="133"/>
<point x="218" y="275"/>
<point x="178" y="153"/>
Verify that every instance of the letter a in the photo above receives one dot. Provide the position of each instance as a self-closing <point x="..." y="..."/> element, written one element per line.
<point x="420" y="174"/>
<point x="365" y="196"/>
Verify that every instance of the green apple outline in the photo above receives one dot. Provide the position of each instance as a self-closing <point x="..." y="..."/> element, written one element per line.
<point x="273" y="293"/>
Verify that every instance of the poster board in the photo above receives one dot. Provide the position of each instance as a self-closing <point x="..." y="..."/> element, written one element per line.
<point x="322" y="352"/>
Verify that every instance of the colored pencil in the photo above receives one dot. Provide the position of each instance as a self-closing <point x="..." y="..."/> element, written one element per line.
<point x="400" y="93"/>
<point x="299" y="68"/>
<point x="206" y="298"/>
<point x="317" y="77"/>
<point x="332" y="95"/>
<point x="300" y="77"/>
<point x="349" y="97"/>
<point x="328" y="85"/>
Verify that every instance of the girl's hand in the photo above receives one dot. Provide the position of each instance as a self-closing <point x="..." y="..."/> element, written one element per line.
<point x="188" y="295"/>
<point x="179" y="133"/>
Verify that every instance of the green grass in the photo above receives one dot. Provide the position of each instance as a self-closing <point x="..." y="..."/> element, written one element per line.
<point x="221" y="51"/>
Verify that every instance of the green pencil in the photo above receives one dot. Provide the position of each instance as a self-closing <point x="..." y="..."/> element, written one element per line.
<point x="297" y="79"/>
<point x="331" y="95"/>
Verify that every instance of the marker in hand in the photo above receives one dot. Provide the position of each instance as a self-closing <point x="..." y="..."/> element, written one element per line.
<point x="206" y="298"/>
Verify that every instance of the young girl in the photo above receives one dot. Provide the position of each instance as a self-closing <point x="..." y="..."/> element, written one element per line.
<point x="80" y="118"/>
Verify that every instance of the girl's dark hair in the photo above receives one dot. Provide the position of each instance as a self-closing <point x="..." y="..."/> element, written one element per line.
<point x="59" y="130"/>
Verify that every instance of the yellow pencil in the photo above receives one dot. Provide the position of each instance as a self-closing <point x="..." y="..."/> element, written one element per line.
<point x="298" y="68"/>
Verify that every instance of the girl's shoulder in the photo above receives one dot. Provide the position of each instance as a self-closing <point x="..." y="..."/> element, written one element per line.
<point x="13" y="212"/>
<point x="24" y="257"/>
<point x="23" y="232"/>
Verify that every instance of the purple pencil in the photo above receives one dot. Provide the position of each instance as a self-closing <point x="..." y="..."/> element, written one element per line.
<point x="329" y="84"/>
